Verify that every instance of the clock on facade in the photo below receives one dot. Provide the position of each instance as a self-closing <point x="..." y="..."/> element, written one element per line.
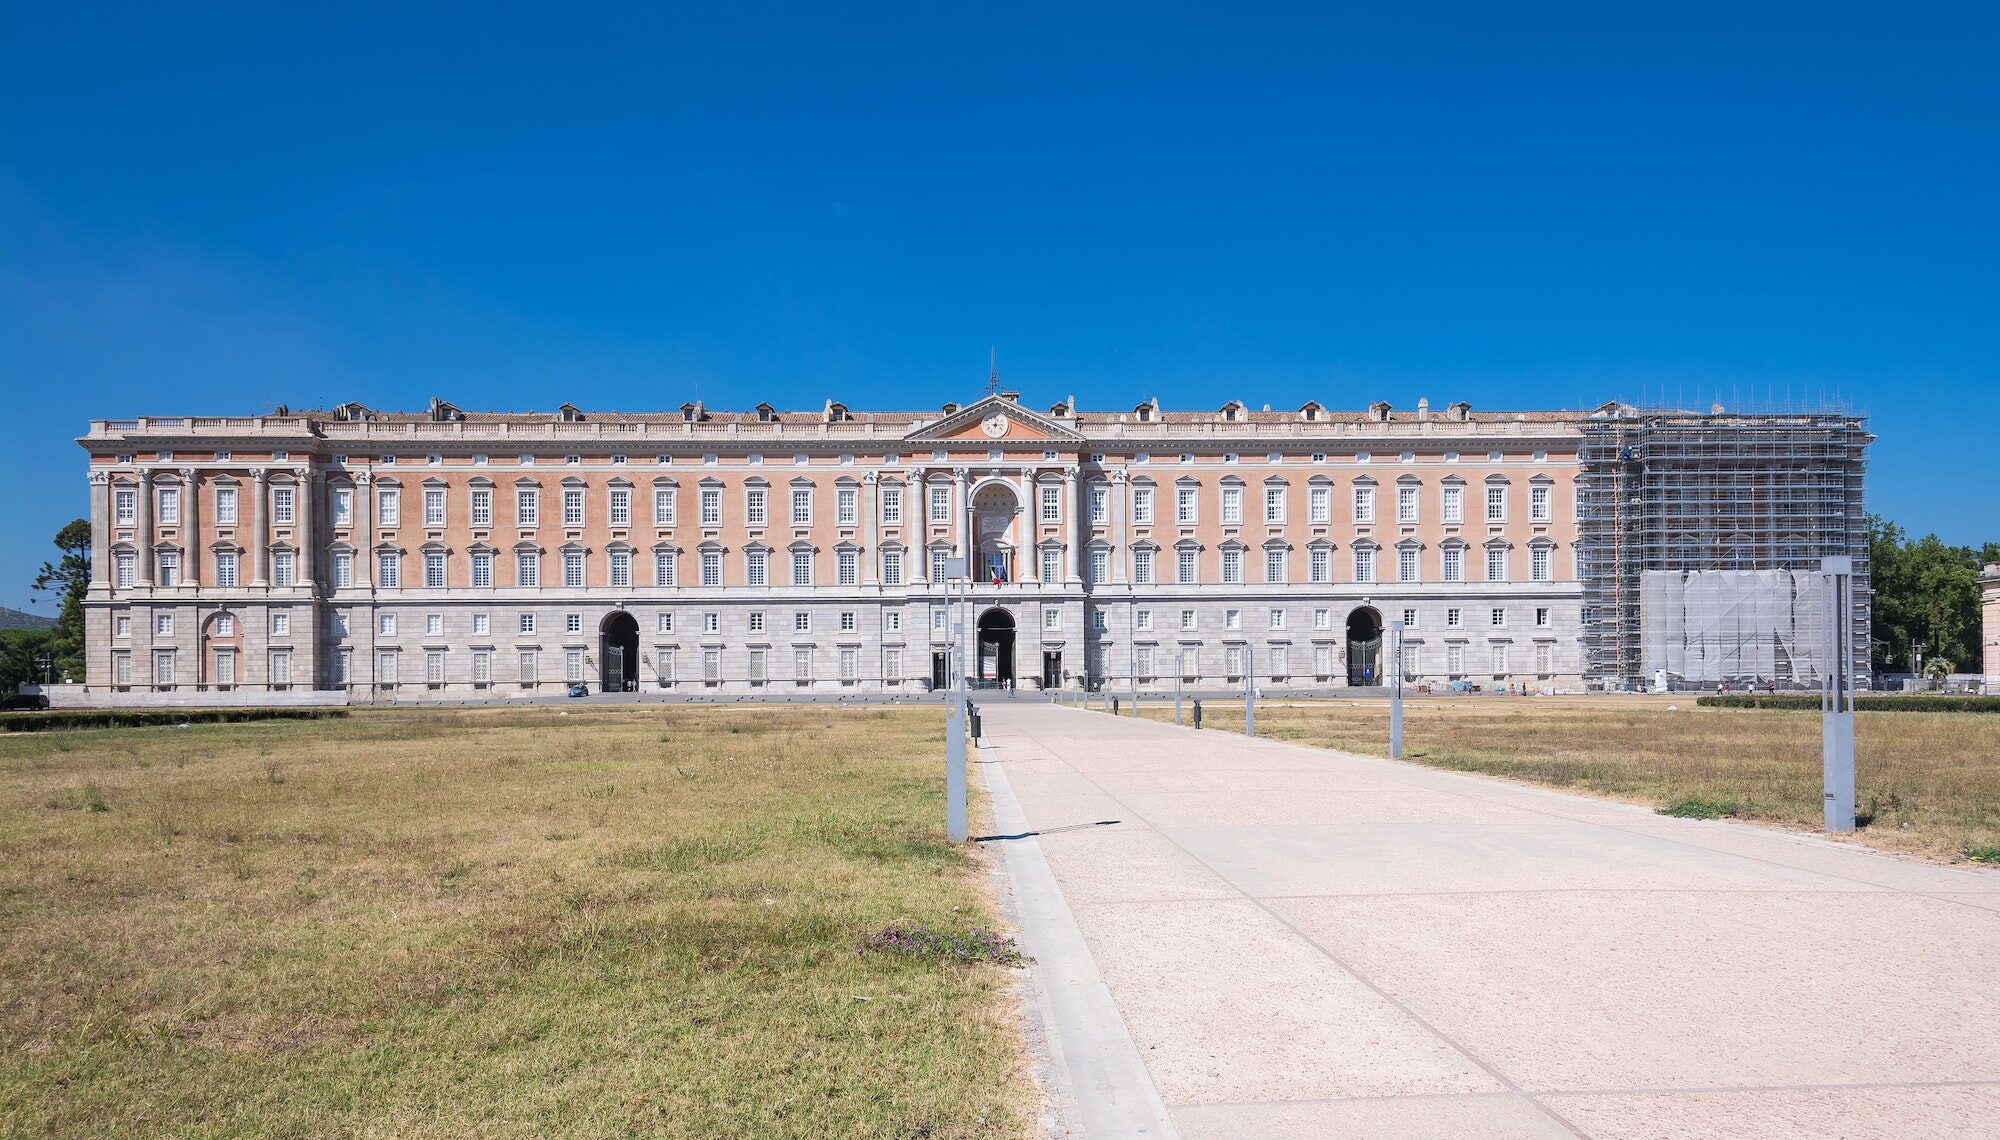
<point x="994" y="425"/>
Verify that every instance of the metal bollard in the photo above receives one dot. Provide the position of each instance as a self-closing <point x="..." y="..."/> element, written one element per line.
<point x="1197" y="712"/>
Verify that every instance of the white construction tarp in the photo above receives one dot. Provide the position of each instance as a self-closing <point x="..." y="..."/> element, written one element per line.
<point x="1762" y="627"/>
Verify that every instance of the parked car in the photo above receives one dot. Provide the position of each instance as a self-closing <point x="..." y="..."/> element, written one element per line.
<point x="25" y="701"/>
<point x="579" y="690"/>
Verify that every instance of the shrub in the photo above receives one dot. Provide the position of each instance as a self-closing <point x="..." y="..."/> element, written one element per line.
<point x="142" y="718"/>
<point x="1913" y="702"/>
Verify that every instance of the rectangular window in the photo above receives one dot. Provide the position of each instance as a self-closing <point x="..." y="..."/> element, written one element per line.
<point x="1100" y="506"/>
<point x="1454" y="661"/>
<point x="1051" y="618"/>
<point x="163" y="668"/>
<point x="1187" y="620"/>
<point x="1454" y="504"/>
<point x="282" y="564"/>
<point x="281" y="623"/>
<point x="1364" y="564"/>
<point x="1319" y="564"/>
<point x="434" y="667"/>
<point x="1232" y="662"/>
<point x="482" y="569"/>
<point x="1409" y="619"/>
<point x="527" y="506"/>
<point x="1319" y="504"/>
<point x="850" y="664"/>
<point x="1406" y="564"/>
<point x="711" y="666"/>
<point x="892" y="664"/>
<point x="1364" y="504"/>
<point x="1498" y="617"/>
<point x="1232" y="506"/>
<point x="225" y="506"/>
<point x="758" y="671"/>
<point x="1496" y="504"/>
<point x="847" y="568"/>
<point x="1322" y="618"/>
<point x="434" y="571"/>
<point x="756" y="507"/>
<point x="711" y="622"/>
<point x="1544" y="658"/>
<point x="389" y="506"/>
<point x="1098" y="621"/>
<point x="385" y="668"/>
<point x="664" y="506"/>
<point x="572" y="562"/>
<point x="846" y="506"/>
<point x="385" y="625"/>
<point x="802" y="567"/>
<point x="572" y="665"/>
<point x="711" y="506"/>
<point x="802" y="664"/>
<point x="1538" y="564"/>
<point x="1496" y="564"/>
<point x="621" y="568"/>
<point x="1052" y="564"/>
<point x="121" y="626"/>
<point x="1142" y="621"/>
<point x="343" y="667"/>
<point x="1232" y="619"/>
<point x="482" y="624"/>
<point x="1142" y="567"/>
<point x="1274" y="565"/>
<point x="482" y="666"/>
<point x="1100" y="566"/>
<point x="1280" y="662"/>
<point x="664" y="622"/>
<point x="528" y="568"/>
<point x="121" y="668"/>
<point x="281" y="506"/>
<point x="620" y="506"/>
<point x="572" y="623"/>
<point x="170" y="506"/>
<point x="1539" y="509"/>
<point x="1051" y="504"/>
<point x="1186" y="566"/>
<point x="163" y="625"/>
<point x="757" y="568"/>
<point x="572" y="506"/>
<point x="1187" y="502"/>
<point x="802" y="506"/>
<point x="1542" y="616"/>
<point x="1274" y="505"/>
<point x="665" y="568"/>
<point x="1406" y="504"/>
<point x="1454" y="564"/>
<point x="528" y="666"/>
<point x="122" y="568"/>
<point x="1454" y="618"/>
<point x="892" y="506"/>
<point x="225" y="667"/>
<point x="343" y="569"/>
<point x="711" y="568"/>
<point x="892" y="567"/>
<point x="125" y="507"/>
<point x="1277" y="619"/>
<point x="802" y="621"/>
<point x="433" y="507"/>
<point x="1142" y="506"/>
<point x="892" y="621"/>
<point x="1499" y="661"/>
<point x="170" y="568"/>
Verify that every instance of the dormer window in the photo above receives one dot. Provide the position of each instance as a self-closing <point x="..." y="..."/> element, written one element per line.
<point x="1147" y="411"/>
<point x="570" y="414"/>
<point x="1232" y="412"/>
<point x="1379" y="411"/>
<point x="443" y="412"/>
<point x="1312" y="412"/>
<point x="691" y="413"/>
<point x="836" y="413"/>
<point x="766" y="413"/>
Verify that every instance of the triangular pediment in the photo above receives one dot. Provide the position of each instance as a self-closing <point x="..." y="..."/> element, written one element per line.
<point x="996" y="419"/>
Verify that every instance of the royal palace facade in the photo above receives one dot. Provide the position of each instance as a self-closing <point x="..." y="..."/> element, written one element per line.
<point x="452" y="554"/>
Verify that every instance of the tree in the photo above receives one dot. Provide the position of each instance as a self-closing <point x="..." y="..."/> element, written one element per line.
<point x="69" y="579"/>
<point x="1923" y="591"/>
<point x="1938" y="669"/>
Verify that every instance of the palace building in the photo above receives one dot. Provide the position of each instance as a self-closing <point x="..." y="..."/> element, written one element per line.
<point x="452" y="554"/>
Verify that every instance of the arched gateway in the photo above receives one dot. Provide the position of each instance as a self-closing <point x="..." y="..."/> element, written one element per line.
<point x="996" y="648"/>
<point x="618" y="652"/>
<point x="1364" y="647"/>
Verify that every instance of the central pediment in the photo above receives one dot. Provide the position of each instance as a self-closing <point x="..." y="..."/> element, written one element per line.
<point x="995" y="419"/>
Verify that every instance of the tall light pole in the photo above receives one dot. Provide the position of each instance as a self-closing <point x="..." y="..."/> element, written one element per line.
<point x="1837" y="695"/>
<point x="1396" y="690"/>
<point x="955" y="728"/>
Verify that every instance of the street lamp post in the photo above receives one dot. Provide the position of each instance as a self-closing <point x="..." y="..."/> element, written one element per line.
<point x="1396" y="690"/>
<point x="954" y="724"/>
<point x="1837" y="695"/>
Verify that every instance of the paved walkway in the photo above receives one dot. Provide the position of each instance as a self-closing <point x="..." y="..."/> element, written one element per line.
<point x="1302" y="943"/>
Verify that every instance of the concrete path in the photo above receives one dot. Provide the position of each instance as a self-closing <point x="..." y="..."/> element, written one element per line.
<point x="1303" y="943"/>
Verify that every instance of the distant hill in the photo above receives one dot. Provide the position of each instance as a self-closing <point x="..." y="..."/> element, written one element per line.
<point x="15" y="619"/>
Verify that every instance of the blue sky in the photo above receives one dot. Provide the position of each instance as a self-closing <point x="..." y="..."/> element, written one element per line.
<point x="217" y="209"/>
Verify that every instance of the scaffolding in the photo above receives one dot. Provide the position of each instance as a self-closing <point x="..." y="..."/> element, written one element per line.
<point x="1679" y="512"/>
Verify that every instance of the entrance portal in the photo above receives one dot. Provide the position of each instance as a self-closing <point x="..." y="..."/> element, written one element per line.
<point x="996" y="648"/>
<point x="1052" y="670"/>
<point x="1364" y="647"/>
<point x="619" y="652"/>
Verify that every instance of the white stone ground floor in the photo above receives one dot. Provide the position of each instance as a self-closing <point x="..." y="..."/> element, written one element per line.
<point x="169" y="646"/>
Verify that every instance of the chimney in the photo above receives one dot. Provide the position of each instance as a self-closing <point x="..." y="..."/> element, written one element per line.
<point x="1423" y="407"/>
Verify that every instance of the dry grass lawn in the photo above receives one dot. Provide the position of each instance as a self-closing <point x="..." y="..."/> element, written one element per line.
<point x="505" y="922"/>
<point x="1925" y="782"/>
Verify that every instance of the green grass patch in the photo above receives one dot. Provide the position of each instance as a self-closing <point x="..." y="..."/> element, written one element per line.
<point x="1983" y="854"/>
<point x="1700" y="807"/>
<point x="1867" y="702"/>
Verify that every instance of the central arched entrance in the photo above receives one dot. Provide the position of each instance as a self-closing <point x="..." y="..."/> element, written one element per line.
<point x="996" y="649"/>
<point x="618" y="652"/>
<point x="1364" y="647"/>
